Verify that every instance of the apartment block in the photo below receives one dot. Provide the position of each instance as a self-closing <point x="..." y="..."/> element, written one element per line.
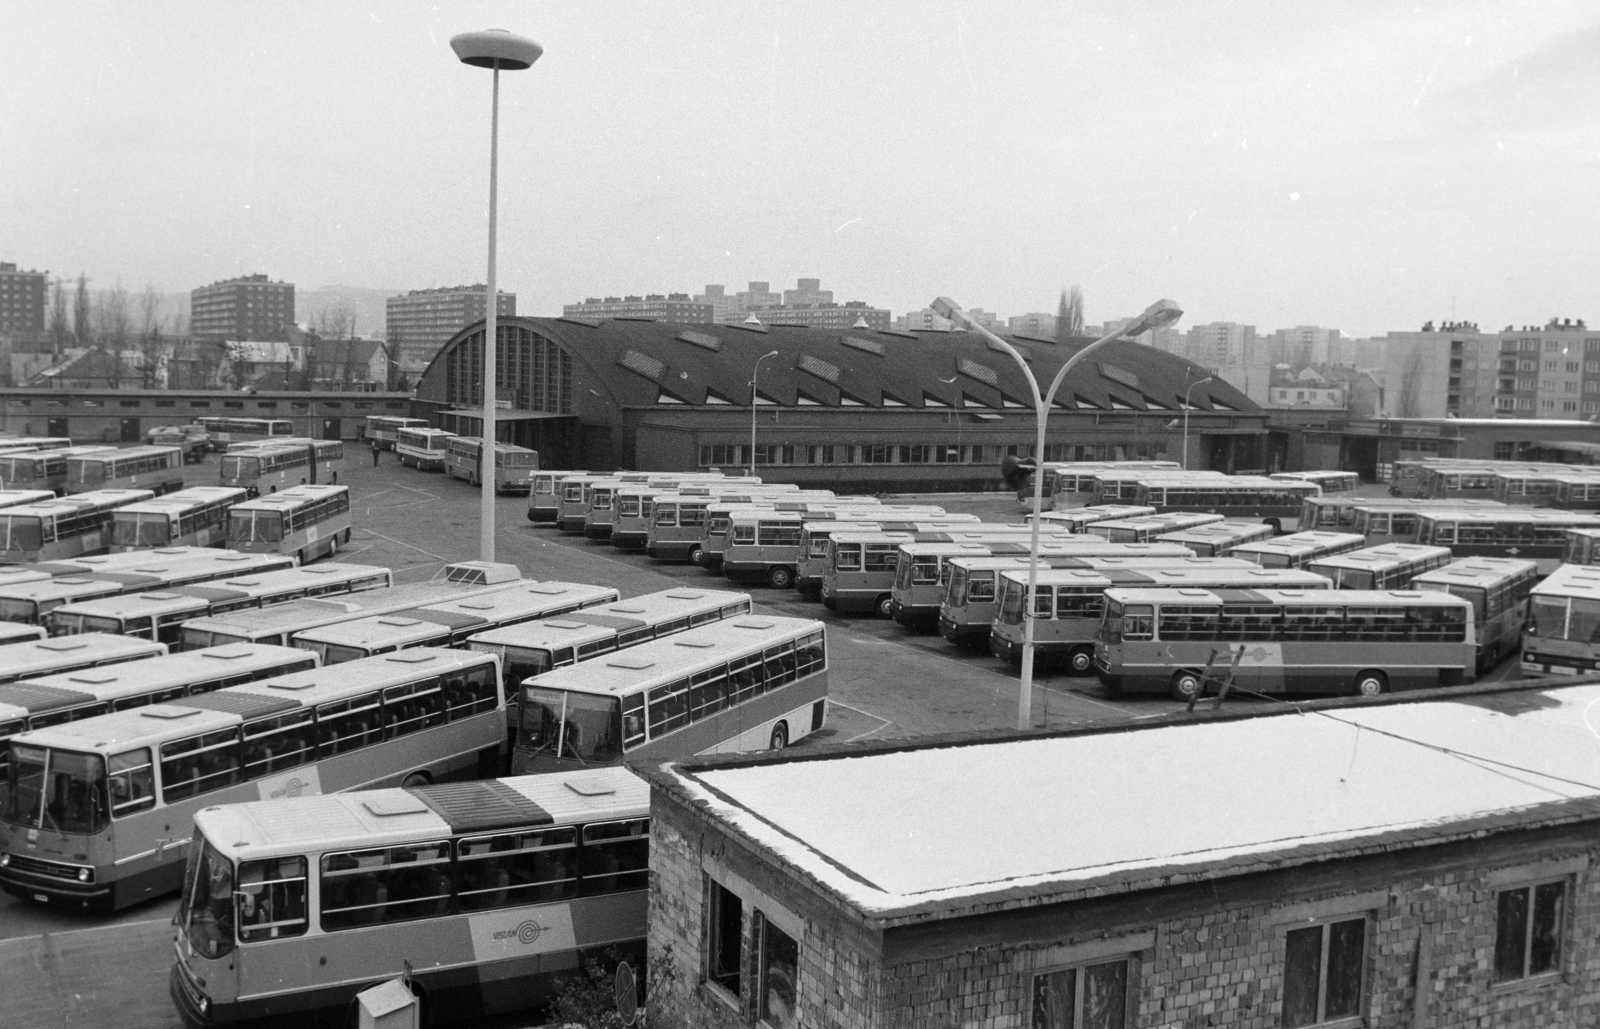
<point x="420" y="322"/>
<point x="22" y="300"/>
<point x="668" y="307"/>
<point x="250" y="307"/>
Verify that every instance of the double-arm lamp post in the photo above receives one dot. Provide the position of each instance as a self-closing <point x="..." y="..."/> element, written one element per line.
<point x="501" y="51"/>
<point x="1186" y="409"/>
<point x="753" y="371"/>
<point x="1158" y="314"/>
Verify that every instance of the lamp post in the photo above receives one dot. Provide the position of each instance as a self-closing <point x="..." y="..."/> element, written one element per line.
<point x="495" y="49"/>
<point x="1186" y="393"/>
<point x="753" y="371"/>
<point x="1158" y="314"/>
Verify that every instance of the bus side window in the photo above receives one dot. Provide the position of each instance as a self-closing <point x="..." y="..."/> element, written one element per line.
<point x="632" y="721"/>
<point x="744" y="678"/>
<point x="469" y="692"/>
<point x="133" y="782"/>
<point x="669" y="707"/>
<point x="412" y="706"/>
<point x="615" y="857"/>
<point x="708" y="693"/>
<point x="780" y="665"/>
<point x="272" y="899"/>
<point x="811" y="654"/>
<point x="200" y="763"/>
<point x="348" y="724"/>
<point x="273" y="744"/>
<point x="516" y="869"/>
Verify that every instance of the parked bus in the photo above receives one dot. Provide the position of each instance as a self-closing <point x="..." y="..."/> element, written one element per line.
<point x="735" y="685"/>
<point x="264" y="467"/>
<point x="160" y="614"/>
<point x="1298" y="549"/>
<point x="464" y="880"/>
<point x="1578" y="492"/>
<point x="31" y="602"/>
<point x="158" y="469"/>
<point x="678" y="518"/>
<point x="384" y="429"/>
<point x="635" y="505"/>
<point x="1539" y="486"/>
<point x="533" y="648"/>
<point x="302" y="520"/>
<point x="971" y="599"/>
<point x="1388" y="566"/>
<point x="1236" y="496"/>
<point x="816" y="536"/>
<point x="757" y="544"/>
<point x="225" y="431"/>
<point x="1398" y="521"/>
<point x="1562" y="630"/>
<point x="1147" y="528"/>
<point x="1121" y="485"/>
<point x="63" y="528"/>
<point x="1217" y="539"/>
<point x="68" y="696"/>
<point x="1583" y="547"/>
<point x="1497" y="588"/>
<point x="1068" y="602"/>
<point x="544" y="497"/>
<point x="1457" y="481"/>
<point x="30" y="659"/>
<point x="1538" y="535"/>
<point x="513" y="466"/>
<point x="448" y="623"/>
<point x="1071" y="484"/>
<point x="1330" y="481"/>
<point x="16" y="445"/>
<point x="1338" y="513"/>
<point x="116" y="793"/>
<point x="277" y="623"/>
<point x="423" y="449"/>
<point x="193" y="517"/>
<point x="1077" y="519"/>
<point x="1286" y="641"/>
<point x="193" y="445"/>
<point x="43" y="470"/>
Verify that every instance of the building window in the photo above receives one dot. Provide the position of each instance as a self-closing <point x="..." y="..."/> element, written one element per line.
<point x="722" y="454"/>
<point x="1322" y="972"/>
<point x="1552" y="345"/>
<point x="1569" y="405"/>
<point x="1085" y="997"/>
<point x="779" y="970"/>
<point x="1528" y="929"/>
<point x="724" y="937"/>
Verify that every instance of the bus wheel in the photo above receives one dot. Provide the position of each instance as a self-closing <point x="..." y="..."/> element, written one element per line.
<point x="414" y="780"/>
<point x="1371" y="683"/>
<point x="1081" y="661"/>
<point x="883" y="607"/>
<point x="694" y="554"/>
<point x="333" y="546"/>
<point x="780" y="737"/>
<point x="1185" y="685"/>
<point x="780" y="577"/>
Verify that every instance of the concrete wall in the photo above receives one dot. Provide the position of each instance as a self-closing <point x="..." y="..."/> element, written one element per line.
<point x="97" y="415"/>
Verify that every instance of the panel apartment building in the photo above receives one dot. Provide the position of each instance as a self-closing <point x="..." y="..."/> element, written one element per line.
<point x="417" y="324"/>
<point x="22" y="303"/>
<point x="1531" y="371"/>
<point x="247" y="308"/>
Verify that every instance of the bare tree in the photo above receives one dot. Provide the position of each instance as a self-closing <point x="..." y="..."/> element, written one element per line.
<point x="59" y="328"/>
<point x="82" y="331"/>
<point x="152" y="345"/>
<point x="114" y="320"/>
<point x="336" y="321"/>
<point x="1408" y="404"/>
<point x="1069" y="314"/>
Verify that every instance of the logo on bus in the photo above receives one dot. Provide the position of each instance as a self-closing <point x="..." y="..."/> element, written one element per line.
<point x="526" y="933"/>
<point x="290" y="789"/>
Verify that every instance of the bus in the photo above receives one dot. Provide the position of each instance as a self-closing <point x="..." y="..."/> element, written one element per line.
<point x="31" y="602"/>
<point x="492" y="890"/>
<point x="753" y="542"/>
<point x="226" y="431"/>
<point x="448" y="623"/>
<point x="1077" y="519"/>
<point x="302" y="520"/>
<point x="1457" y="481"/>
<point x="1536" y="534"/>
<point x="384" y="429"/>
<point x="1562" y="633"/>
<point x="1365" y="642"/>
<point x="1330" y="481"/>
<point x="1147" y="528"/>
<point x="68" y="696"/>
<point x="1397" y="521"/>
<point x="1068" y="602"/>
<point x="1578" y="492"/>
<point x="423" y="449"/>
<point x="1255" y="497"/>
<point x="678" y="518"/>
<point x="263" y="467"/>
<point x="16" y="445"/>
<point x="740" y="684"/>
<point x="1076" y="483"/>
<point x="533" y="648"/>
<point x="277" y="623"/>
<point x="1298" y="549"/>
<point x="41" y="469"/>
<point x="971" y="599"/>
<point x="1388" y="566"/>
<point x="116" y="794"/>
<point x="1338" y="513"/>
<point x="30" y="659"/>
<point x="63" y="528"/>
<point x="158" y="469"/>
<point x="1540" y="486"/>
<point x="1121" y="485"/>
<point x="160" y="614"/>
<point x="544" y="496"/>
<point x="816" y="537"/>
<point x="1498" y="589"/>
<point x="1217" y="539"/>
<point x="1583" y="547"/>
<point x="193" y="517"/>
<point x="513" y="465"/>
<point x="635" y="506"/>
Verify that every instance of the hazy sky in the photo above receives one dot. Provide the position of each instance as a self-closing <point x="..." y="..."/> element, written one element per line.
<point x="1365" y="166"/>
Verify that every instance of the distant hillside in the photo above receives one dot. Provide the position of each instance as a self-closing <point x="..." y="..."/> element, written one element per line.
<point x="329" y="306"/>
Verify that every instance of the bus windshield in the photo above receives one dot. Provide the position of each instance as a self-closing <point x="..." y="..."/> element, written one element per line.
<point x="255" y="527"/>
<point x="146" y="529"/>
<point x="235" y="467"/>
<point x="524" y="662"/>
<point x="1566" y="618"/>
<point x="91" y="471"/>
<point x="207" y="912"/>
<point x="571" y="725"/>
<point x="55" y="790"/>
<point x="956" y="592"/>
<point x="22" y="532"/>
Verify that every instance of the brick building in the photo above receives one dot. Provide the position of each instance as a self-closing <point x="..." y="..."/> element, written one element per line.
<point x="249" y="307"/>
<point x="1426" y="864"/>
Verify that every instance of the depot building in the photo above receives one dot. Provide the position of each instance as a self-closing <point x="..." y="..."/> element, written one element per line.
<point x="858" y="409"/>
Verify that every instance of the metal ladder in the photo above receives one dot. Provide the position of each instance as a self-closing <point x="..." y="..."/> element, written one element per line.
<point x="1233" y="657"/>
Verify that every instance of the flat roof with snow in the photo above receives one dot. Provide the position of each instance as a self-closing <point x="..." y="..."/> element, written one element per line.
<point x="904" y="832"/>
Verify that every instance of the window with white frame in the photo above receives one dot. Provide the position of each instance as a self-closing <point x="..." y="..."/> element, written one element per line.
<point x="1086" y="996"/>
<point x="1528" y="930"/>
<point x="1322" y="966"/>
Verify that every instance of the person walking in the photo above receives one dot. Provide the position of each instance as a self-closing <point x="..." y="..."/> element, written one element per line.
<point x="376" y="450"/>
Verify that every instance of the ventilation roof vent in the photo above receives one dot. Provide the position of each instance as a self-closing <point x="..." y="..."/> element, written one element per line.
<point x="820" y="368"/>
<point x="871" y="346"/>
<point x="578" y="319"/>
<point x="644" y="364"/>
<point x="700" y="339"/>
<point x="983" y="373"/>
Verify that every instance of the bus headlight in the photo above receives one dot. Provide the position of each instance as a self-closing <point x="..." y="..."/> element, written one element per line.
<point x="85" y="875"/>
<point x="5" y="860"/>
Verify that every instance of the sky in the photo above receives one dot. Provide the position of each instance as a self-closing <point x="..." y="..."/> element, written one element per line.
<point x="1363" y="165"/>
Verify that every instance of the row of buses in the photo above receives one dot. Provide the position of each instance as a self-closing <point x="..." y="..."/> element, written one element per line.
<point x="1522" y="483"/>
<point x="418" y="445"/>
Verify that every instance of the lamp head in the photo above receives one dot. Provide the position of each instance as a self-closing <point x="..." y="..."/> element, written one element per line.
<point x="1158" y="315"/>
<point x="770" y="353"/>
<point x="496" y="48"/>
<point x="944" y="307"/>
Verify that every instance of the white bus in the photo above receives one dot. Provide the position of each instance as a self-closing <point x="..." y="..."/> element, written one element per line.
<point x="1537" y="534"/>
<point x="1077" y="519"/>
<point x="224" y="431"/>
<point x="492" y="891"/>
<point x="863" y="567"/>
<point x="63" y="528"/>
<point x="305" y="521"/>
<point x="1562" y="635"/>
<point x="99" y="811"/>
<point x="740" y="684"/>
<point x="1218" y="539"/>
<point x="1076" y="483"/>
<point x="1331" y="482"/>
<point x="1498" y="590"/>
<point x="544" y="497"/>
<point x="193" y="517"/>
<point x="1389" y="566"/>
<point x="815" y="537"/>
<point x="385" y="428"/>
<point x="1148" y="527"/>
<point x="423" y="449"/>
<point x="1298" y="549"/>
<point x="41" y="469"/>
<point x="30" y="659"/>
<point x="160" y="614"/>
<point x="31" y="602"/>
<point x="266" y="466"/>
<point x="513" y="466"/>
<point x="158" y="469"/>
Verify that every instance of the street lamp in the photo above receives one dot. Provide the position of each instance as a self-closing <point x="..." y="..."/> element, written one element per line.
<point x="496" y="49"/>
<point x="1158" y="314"/>
<point x="1192" y="385"/>
<point x="753" y="371"/>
